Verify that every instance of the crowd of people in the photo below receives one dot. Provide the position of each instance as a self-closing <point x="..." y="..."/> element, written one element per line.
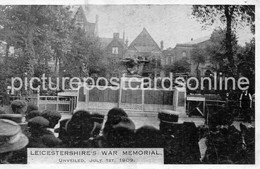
<point x="28" y="127"/>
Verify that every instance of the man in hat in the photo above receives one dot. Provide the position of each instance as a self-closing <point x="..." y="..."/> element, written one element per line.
<point x="149" y="137"/>
<point x="19" y="107"/>
<point x="31" y="107"/>
<point x="246" y="105"/>
<point x="169" y="122"/>
<point x="40" y="136"/>
<point x="120" y="135"/>
<point x="53" y="117"/>
<point x="79" y="129"/>
<point x="37" y="128"/>
<point x="32" y="114"/>
<point x="11" y="139"/>
<point x="114" y="116"/>
<point x="181" y="139"/>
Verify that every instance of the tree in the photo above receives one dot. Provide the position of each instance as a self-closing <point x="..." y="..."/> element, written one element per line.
<point x="216" y="50"/>
<point x="84" y="58"/>
<point x="39" y="32"/>
<point x="246" y="63"/>
<point x="180" y="66"/>
<point x="230" y="15"/>
<point x="198" y="56"/>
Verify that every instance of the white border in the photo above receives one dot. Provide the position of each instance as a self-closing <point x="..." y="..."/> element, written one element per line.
<point x="183" y="2"/>
<point x="103" y="2"/>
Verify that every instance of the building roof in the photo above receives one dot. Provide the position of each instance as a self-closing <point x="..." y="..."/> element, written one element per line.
<point x="168" y="52"/>
<point x="144" y="49"/>
<point x="194" y="42"/>
<point x="144" y="43"/>
<point x="104" y="42"/>
<point x="81" y="10"/>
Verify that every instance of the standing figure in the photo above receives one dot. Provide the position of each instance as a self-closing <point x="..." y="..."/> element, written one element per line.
<point x="246" y="105"/>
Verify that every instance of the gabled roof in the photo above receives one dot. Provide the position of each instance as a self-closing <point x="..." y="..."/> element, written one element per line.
<point x="144" y="43"/>
<point x="81" y="11"/>
<point x="104" y="42"/>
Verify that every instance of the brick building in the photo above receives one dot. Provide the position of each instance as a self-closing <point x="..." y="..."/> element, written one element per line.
<point x="114" y="50"/>
<point x="144" y="47"/>
<point x="182" y="50"/>
<point x="79" y="13"/>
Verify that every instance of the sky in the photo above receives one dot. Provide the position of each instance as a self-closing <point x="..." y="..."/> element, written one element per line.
<point x="168" y="23"/>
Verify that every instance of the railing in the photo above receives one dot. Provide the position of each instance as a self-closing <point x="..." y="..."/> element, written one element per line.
<point x="139" y="100"/>
<point x="58" y="103"/>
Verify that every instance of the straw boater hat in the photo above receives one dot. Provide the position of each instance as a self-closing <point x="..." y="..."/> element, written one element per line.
<point x="11" y="137"/>
<point x="169" y="122"/>
<point x="14" y="117"/>
<point x="168" y="116"/>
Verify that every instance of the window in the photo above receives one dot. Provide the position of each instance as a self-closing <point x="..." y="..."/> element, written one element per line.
<point x="181" y="99"/>
<point x="115" y="50"/>
<point x="82" y="96"/>
<point x="158" y="62"/>
<point x="184" y="54"/>
<point x="168" y="60"/>
<point x="172" y="58"/>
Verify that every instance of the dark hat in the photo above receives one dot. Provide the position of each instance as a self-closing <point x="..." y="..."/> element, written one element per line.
<point x="19" y="103"/>
<point x="114" y="116"/>
<point x="125" y="123"/>
<point x="38" y="122"/>
<point x="50" y="114"/>
<point x="80" y="124"/>
<point x="116" y="112"/>
<point x="14" y="117"/>
<point x="32" y="114"/>
<point x="169" y="122"/>
<point x="31" y="107"/>
<point x="11" y="137"/>
<point x="168" y="116"/>
<point x="51" y="140"/>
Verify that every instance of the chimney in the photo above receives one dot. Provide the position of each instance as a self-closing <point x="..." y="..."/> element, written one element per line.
<point x="96" y="25"/>
<point x="96" y="18"/>
<point x="126" y="42"/>
<point x="116" y="35"/>
<point x="124" y="36"/>
<point x="161" y="45"/>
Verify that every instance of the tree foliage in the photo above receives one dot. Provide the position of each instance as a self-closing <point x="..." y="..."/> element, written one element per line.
<point x="84" y="58"/>
<point x="230" y="16"/>
<point x="180" y="66"/>
<point x="246" y="63"/>
<point x="216" y="50"/>
<point x="44" y="33"/>
<point x="198" y="56"/>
